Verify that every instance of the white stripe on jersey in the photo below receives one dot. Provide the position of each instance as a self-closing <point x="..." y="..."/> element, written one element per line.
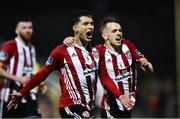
<point x="69" y="112"/>
<point x="109" y="116"/>
<point x="5" y="94"/>
<point x="109" y="65"/>
<point x="96" y="56"/>
<point x="125" y="85"/>
<point x="73" y="83"/>
<point x="125" y="49"/>
<point x="120" y="63"/>
<point x="106" y="104"/>
<point x="20" y="65"/>
<point x="120" y="105"/>
<point x="69" y="87"/>
<point x="89" y="61"/>
<point x="24" y="100"/>
<point x="70" y="91"/>
<point x="20" y="69"/>
<point x="110" y="69"/>
<point x="11" y="66"/>
<point x="27" y="49"/>
<point x="79" y="70"/>
<point x="33" y="96"/>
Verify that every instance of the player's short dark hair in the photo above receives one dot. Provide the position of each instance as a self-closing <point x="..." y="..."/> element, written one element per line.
<point x="108" y="19"/>
<point x="75" y="17"/>
<point x="22" y="19"/>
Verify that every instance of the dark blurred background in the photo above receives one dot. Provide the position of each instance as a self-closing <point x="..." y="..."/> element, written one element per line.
<point x="149" y="24"/>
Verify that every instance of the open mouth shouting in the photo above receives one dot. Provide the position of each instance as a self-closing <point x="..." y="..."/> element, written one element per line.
<point x="89" y="35"/>
<point x="119" y="39"/>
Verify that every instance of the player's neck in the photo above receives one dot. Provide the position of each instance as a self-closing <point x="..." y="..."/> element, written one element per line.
<point x="113" y="48"/>
<point x="23" y="40"/>
<point x="80" y="42"/>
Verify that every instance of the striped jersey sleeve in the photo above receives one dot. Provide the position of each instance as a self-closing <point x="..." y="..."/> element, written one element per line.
<point x="7" y="51"/>
<point x="136" y="54"/>
<point x="106" y="81"/>
<point x="40" y="76"/>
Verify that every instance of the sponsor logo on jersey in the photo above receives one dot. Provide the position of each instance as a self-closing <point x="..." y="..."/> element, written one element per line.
<point x="3" y="55"/>
<point x="125" y="76"/>
<point x="138" y="52"/>
<point x="49" y="61"/>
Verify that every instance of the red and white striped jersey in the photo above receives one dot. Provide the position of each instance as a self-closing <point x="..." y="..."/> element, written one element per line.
<point x="77" y="77"/>
<point x="19" y="60"/>
<point x="119" y="67"/>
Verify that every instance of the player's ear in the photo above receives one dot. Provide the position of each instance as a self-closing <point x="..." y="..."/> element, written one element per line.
<point x="16" y="30"/>
<point x="75" y="28"/>
<point x="104" y="36"/>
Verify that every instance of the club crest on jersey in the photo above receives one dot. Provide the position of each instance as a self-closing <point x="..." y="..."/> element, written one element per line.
<point x="49" y="61"/>
<point x="120" y="65"/>
<point x="128" y="54"/>
<point x="3" y="55"/>
<point x="86" y="114"/>
<point x="95" y="53"/>
<point x="90" y="66"/>
<point x="87" y="58"/>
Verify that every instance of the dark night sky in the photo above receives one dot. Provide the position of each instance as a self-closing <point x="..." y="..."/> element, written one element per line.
<point x="149" y="24"/>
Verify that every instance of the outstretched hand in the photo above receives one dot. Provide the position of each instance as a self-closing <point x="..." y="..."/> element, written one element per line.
<point x="16" y="99"/>
<point x="145" y="65"/>
<point x="126" y="101"/>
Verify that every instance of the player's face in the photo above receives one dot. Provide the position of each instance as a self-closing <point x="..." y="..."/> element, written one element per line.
<point x="25" y="30"/>
<point x="113" y="33"/>
<point x="85" y="28"/>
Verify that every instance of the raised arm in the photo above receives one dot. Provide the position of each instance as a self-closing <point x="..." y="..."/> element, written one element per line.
<point x="139" y="57"/>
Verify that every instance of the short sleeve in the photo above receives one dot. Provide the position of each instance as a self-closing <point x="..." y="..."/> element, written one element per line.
<point x="54" y="59"/>
<point x="7" y="51"/>
<point x="136" y="54"/>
